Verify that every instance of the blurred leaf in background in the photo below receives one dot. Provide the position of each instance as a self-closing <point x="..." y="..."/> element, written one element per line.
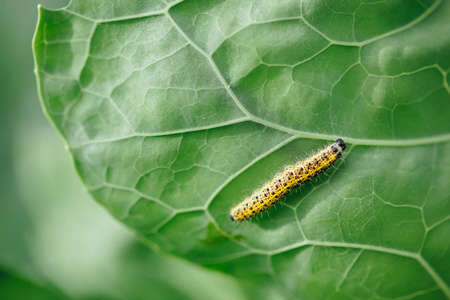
<point x="55" y="242"/>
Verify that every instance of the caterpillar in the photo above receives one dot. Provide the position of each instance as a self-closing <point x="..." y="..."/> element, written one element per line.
<point x="291" y="177"/>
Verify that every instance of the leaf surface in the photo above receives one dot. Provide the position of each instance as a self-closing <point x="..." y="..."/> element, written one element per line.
<point x="176" y="111"/>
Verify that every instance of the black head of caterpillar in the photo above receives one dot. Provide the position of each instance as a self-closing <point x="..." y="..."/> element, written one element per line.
<point x="282" y="183"/>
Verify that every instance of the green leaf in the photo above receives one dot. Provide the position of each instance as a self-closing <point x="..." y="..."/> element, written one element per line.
<point x="175" y="111"/>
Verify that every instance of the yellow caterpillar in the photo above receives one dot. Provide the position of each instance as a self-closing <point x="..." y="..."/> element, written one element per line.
<point x="282" y="183"/>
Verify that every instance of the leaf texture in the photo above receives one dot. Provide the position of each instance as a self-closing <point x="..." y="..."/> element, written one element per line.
<point x="174" y="111"/>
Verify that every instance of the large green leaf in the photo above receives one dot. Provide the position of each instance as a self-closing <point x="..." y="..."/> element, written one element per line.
<point x="176" y="110"/>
